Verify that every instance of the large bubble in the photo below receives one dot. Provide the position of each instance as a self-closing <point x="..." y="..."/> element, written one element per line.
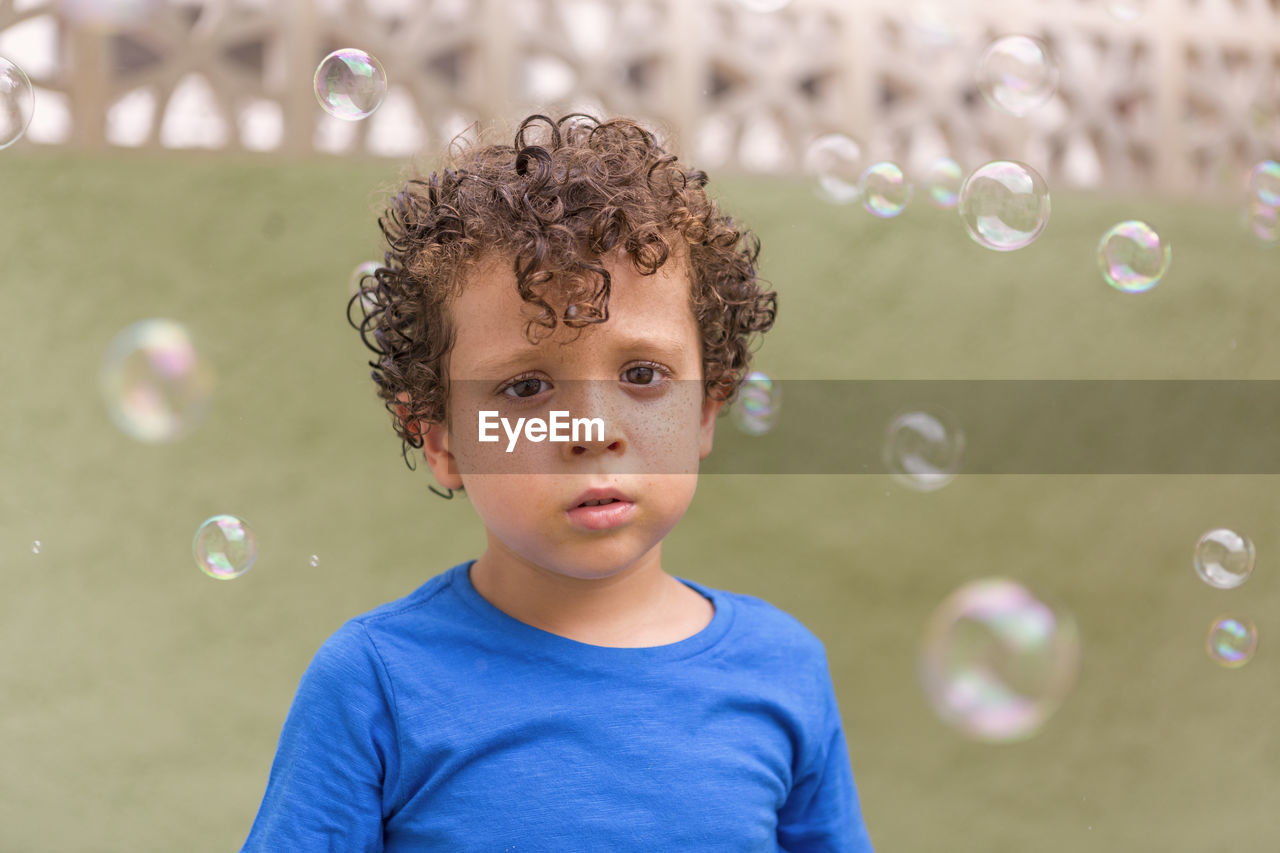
<point x="225" y="547"/>
<point x="1017" y="74"/>
<point x="17" y="102"/>
<point x="996" y="661"/>
<point x="350" y="84"/>
<point x="884" y="189"/>
<point x="1231" y="642"/>
<point x="835" y="160"/>
<point x="1133" y="257"/>
<point x="923" y="450"/>
<point x="156" y="384"/>
<point x="1004" y="205"/>
<point x="1224" y="558"/>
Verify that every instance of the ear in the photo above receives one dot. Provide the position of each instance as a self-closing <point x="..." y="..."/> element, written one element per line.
<point x="707" y="425"/>
<point x="435" y="445"/>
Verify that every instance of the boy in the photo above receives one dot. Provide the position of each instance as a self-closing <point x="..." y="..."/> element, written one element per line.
<point x="562" y="692"/>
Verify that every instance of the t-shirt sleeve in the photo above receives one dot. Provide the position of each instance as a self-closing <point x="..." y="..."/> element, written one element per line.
<point x="335" y="757"/>
<point x="822" y="812"/>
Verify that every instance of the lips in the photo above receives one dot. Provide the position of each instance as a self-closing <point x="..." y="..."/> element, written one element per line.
<point x="597" y="495"/>
<point x="588" y="513"/>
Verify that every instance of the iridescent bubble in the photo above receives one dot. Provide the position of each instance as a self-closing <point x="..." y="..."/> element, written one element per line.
<point x="1262" y="221"/>
<point x="764" y="6"/>
<point x="923" y="450"/>
<point x="943" y="178"/>
<point x="996" y="661"/>
<point x="1133" y="257"/>
<point x="156" y="385"/>
<point x="755" y="411"/>
<point x="225" y="547"/>
<point x="364" y="282"/>
<point x="1125" y="10"/>
<point x="1223" y="558"/>
<point x="35" y="547"/>
<point x="17" y="102"/>
<point x="350" y="84"/>
<point x="315" y="561"/>
<point x="1004" y="205"/>
<point x="884" y="189"/>
<point x="836" y="161"/>
<point x="1231" y="642"/>
<point x="1264" y="183"/>
<point x="1017" y="74"/>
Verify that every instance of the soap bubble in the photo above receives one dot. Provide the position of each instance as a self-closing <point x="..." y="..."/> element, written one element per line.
<point x="1264" y="183"/>
<point x="836" y="161"/>
<point x="943" y="178"/>
<point x="363" y="282"/>
<point x="156" y="385"/>
<point x="884" y="189"/>
<point x="1017" y="74"/>
<point x="1224" y="558"/>
<point x="764" y="6"/>
<point x="225" y="547"/>
<point x="996" y="662"/>
<point x="314" y="561"/>
<point x="350" y="84"/>
<point x="756" y="409"/>
<point x="922" y="450"/>
<point x="17" y="102"/>
<point x="1005" y="205"/>
<point x="1133" y="257"/>
<point x="1231" y="642"/>
<point x="1262" y="221"/>
<point x="1125" y="10"/>
<point x="35" y="547"/>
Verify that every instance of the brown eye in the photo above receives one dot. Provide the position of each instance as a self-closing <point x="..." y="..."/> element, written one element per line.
<point x="525" y="387"/>
<point x="640" y="375"/>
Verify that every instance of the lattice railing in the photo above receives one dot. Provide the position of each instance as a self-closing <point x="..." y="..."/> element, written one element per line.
<point x="1183" y="99"/>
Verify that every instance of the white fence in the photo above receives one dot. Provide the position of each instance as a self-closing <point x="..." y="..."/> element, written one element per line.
<point x="1182" y="99"/>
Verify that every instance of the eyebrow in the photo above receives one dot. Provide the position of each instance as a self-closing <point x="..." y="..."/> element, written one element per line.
<point x="668" y="348"/>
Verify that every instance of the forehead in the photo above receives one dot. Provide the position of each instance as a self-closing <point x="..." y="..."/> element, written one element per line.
<point x="490" y="318"/>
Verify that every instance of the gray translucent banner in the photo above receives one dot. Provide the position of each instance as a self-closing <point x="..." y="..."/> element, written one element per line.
<point x="929" y="430"/>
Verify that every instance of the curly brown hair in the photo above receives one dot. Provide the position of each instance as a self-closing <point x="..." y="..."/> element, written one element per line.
<point x="564" y="196"/>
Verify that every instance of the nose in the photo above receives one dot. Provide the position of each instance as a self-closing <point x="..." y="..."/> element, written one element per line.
<point x="597" y="423"/>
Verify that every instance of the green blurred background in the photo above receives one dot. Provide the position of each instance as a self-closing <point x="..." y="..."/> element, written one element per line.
<point x="140" y="700"/>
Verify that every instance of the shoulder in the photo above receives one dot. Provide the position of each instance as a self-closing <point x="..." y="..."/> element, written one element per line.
<point x="762" y="623"/>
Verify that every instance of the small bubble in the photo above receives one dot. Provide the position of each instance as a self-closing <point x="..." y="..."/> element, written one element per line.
<point x="755" y="411"/>
<point x="943" y="178"/>
<point x="1017" y="74"/>
<point x="1004" y="205"/>
<point x="364" y="281"/>
<point x="1264" y="183"/>
<point x="156" y="384"/>
<point x="835" y="161"/>
<point x="225" y="547"/>
<point x="1223" y="558"/>
<point x="350" y="84"/>
<point x="923" y="450"/>
<point x="1231" y="642"/>
<point x="315" y="561"/>
<point x="35" y="547"/>
<point x="1133" y="257"/>
<point x="884" y="189"/>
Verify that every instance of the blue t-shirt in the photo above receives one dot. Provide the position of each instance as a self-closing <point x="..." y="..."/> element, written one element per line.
<point x="438" y="722"/>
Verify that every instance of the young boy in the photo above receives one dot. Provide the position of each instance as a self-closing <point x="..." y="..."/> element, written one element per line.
<point x="563" y="692"/>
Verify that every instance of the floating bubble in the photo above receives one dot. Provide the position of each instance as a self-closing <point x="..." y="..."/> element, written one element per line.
<point x="1224" y="558"/>
<point x="17" y="102"/>
<point x="1133" y="257"/>
<point x="315" y="561"/>
<point x="923" y="450"/>
<point x="363" y="282"/>
<point x="1004" y="205"/>
<point x="943" y="178"/>
<point x="836" y="161"/>
<point x="764" y="6"/>
<point x="755" y="411"/>
<point x="1017" y="74"/>
<point x="1125" y="10"/>
<point x="1231" y="642"/>
<point x="225" y="547"/>
<point x="1264" y="183"/>
<point x="35" y="547"/>
<point x="350" y="84"/>
<point x="996" y="661"/>
<point x="156" y="385"/>
<point x="884" y="189"/>
<point x="1262" y="221"/>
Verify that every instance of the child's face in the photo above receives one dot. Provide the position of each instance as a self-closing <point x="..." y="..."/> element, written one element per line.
<point x="640" y="372"/>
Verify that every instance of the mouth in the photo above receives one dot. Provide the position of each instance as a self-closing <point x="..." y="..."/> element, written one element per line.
<point x="599" y="497"/>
